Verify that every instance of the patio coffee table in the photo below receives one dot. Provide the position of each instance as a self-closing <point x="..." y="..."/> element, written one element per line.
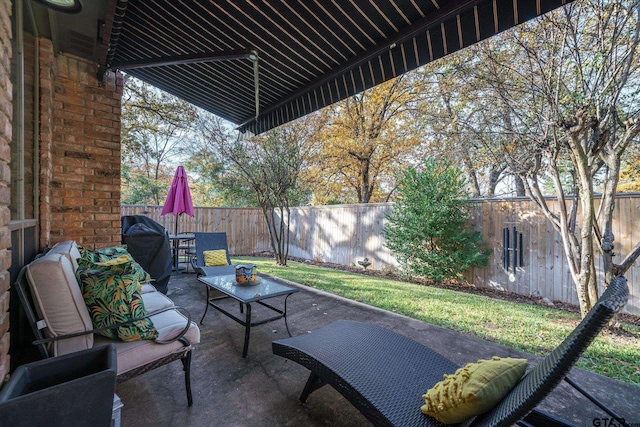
<point x="246" y="294"/>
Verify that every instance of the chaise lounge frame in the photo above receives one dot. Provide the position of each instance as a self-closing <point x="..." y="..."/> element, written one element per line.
<point x="384" y="374"/>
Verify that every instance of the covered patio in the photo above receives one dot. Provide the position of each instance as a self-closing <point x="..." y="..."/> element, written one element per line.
<point x="256" y="64"/>
<point x="263" y="389"/>
<point x="259" y="66"/>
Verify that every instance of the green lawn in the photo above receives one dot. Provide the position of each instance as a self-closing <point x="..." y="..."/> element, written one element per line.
<point x="530" y="328"/>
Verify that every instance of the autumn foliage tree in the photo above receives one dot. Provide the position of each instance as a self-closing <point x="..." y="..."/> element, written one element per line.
<point x="630" y="171"/>
<point x="365" y="140"/>
<point x="453" y="122"/>
<point x="210" y="185"/>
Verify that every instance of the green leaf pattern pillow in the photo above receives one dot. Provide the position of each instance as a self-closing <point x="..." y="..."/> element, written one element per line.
<point x="112" y="296"/>
<point x="109" y="255"/>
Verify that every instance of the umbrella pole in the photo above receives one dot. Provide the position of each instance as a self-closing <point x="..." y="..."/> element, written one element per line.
<point x="176" y="245"/>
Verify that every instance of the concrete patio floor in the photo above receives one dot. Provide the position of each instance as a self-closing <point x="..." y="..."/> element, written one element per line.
<point x="263" y="389"/>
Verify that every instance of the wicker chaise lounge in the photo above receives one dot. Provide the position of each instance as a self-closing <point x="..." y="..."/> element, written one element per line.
<point x="384" y="374"/>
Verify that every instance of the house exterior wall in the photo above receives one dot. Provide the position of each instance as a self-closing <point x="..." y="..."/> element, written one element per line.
<point x="79" y="151"/>
<point x="6" y="119"/>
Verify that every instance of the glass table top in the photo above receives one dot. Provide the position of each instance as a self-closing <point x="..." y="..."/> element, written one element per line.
<point x="263" y="288"/>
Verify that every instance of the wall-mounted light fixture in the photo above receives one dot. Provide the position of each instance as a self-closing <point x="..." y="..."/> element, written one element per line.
<point x="65" y="6"/>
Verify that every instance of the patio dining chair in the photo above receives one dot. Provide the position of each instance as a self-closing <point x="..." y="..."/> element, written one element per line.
<point x="208" y="242"/>
<point x="384" y="374"/>
<point x="186" y="251"/>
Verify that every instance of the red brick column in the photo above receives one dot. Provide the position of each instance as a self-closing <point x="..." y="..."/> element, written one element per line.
<point x="79" y="153"/>
<point x="6" y="114"/>
<point x="45" y="140"/>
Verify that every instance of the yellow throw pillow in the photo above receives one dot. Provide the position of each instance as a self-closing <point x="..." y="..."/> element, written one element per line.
<point x="473" y="390"/>
<point x="215" y="258"/>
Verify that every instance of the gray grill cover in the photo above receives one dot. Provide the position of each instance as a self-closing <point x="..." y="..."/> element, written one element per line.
<point x="148" y="243"/>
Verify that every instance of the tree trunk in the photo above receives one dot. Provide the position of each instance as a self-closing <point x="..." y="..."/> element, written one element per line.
<point x="578" y="140"/>
<point x="364" y="195"/>
<point x="269" y="219"/>
<point x="281" y="238"/>
<point x="612" y="162"/>
<point x="520" y="192"/>
<point x="494" y="178"/>
<point x="472" y="176"/>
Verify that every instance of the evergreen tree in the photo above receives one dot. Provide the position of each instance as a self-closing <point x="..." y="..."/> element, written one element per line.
<point x="428" y="227"/>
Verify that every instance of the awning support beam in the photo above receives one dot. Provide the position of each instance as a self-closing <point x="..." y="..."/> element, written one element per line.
<point x="195" y="58"/>
<point x="184" y="59"/>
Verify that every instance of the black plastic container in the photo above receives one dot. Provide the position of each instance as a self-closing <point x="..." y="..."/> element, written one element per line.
<point x="72" y="390"/>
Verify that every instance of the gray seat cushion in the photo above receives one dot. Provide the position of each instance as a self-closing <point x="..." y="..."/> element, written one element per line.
<point x="135" y="354"/>
<point x="59" y="302"/>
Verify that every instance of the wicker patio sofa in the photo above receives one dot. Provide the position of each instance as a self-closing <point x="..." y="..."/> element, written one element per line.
<point x="50" y="295"/>
<point x="384" y="374"/>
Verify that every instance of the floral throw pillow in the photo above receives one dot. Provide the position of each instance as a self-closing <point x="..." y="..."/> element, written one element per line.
<point x="112" y="296"/>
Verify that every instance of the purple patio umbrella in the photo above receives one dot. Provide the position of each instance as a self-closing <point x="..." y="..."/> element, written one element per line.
<point x="179" y="198"/>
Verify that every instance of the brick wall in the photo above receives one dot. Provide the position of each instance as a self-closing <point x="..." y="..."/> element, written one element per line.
<point x="80" y="151"/>
<point x="79" y="139"/>
<point x="6" y="113"/>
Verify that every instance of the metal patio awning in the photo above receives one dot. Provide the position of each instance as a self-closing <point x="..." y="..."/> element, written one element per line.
<point x="311" y="53"/>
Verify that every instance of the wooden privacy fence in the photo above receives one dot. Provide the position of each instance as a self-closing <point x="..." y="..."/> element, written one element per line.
<point x="540" y="267"/>
<point x="345" y="234"/>
<point x="245" y="227"/>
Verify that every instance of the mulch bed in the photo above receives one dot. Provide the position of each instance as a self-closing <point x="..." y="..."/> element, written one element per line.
<point x="455" y="285"/>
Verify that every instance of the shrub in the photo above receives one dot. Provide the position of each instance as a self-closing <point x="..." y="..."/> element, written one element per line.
<point x="428" y="229"/>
